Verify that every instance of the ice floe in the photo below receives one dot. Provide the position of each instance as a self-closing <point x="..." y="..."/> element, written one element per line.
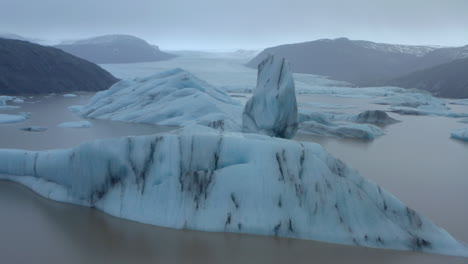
<point x="76" y="124"/>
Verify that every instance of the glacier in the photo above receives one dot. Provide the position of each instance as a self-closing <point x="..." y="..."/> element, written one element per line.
<point x="460" y="134"/>
<point x="173" y="97"/>
<point x="272" y="110"/>
<point x="203" y="179"/>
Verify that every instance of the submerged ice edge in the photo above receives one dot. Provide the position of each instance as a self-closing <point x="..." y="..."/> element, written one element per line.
<point x="228" y="182"/>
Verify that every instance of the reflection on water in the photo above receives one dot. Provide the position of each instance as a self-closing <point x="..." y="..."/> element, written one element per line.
<point x="36" y="230"/>
<point x="416" y="161"/>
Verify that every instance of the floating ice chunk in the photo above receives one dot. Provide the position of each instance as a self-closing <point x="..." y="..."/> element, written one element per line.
<point x="34" y="129"/>
<point x="76" y="108"/>
<point x="417" y="111"/>
<point x="319" y="117"/>
<point x="272" y="110"/>
<point x="7" y="119"/>
<point x="4" y="105"/>
<point x="422" y="101"/>
<point x="228" y="182"/>
<point x="464" y="120"/>
<point x="18" y="101"/>
<point x="173" y="97"/>
<point x="458" y="102"/>
<point x="358" y="131"/>
<point x="418" y="103"/>
<point x="69" y="95"/>
<point x="76" y="124"/>
<point x="373" y="117"/>
<point x="460" y="134"/>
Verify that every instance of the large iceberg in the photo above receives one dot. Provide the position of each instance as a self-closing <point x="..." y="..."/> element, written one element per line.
<point x="228" y="182"/>
<point x="460" y="134"/>
<point x="174" y="97"/>
<point x="272" y="110"/>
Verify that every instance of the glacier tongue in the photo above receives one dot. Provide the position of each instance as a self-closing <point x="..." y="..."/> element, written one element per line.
<point x="206" y="180"/>
<point x="272" y="110"/>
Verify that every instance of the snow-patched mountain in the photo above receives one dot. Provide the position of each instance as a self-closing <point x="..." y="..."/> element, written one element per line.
<point x="355" y="61"/>
<point x="115" y="49"/>
<point x="173" y="97"/>
<point x="446" y="80"/>
<point x="27" y="68"/>
<point x="272" y="110"/>
<point x="363" y="63"/>
<point x="228" y="182"/>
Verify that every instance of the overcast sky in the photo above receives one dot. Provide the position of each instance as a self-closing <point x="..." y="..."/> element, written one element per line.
<point x="220" y="24"/>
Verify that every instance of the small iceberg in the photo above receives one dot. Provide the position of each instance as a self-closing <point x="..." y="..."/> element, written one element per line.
<point x="418" y="103"/>
<point x="357" y="131"/>
<point x="460" y="134"/>
<point x="76" y="124"/>
<point x="373" y="117"/>
<point x="8" y="119"/>
<point x="69" y="95"/>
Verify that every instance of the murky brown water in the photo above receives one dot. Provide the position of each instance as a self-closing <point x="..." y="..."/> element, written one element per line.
<point x="416" y="161"/>
<point x="37" y="230"/>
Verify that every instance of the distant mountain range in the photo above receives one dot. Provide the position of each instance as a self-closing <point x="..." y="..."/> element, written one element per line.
<point x="115" y="49"/>
<point x="363" y="63"/>
<point x="444" y="80"/>
<point x="28" y="68"/>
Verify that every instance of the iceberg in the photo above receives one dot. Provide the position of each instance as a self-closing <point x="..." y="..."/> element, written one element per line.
<point x="357" y="131"/>
<point x="76" y="124"/>
<point x="174" y="97"/>
<point x="8" y="119"/>
<point x="460" y="134"/>
<point x="321" y="124"/>
<point x="373" y="117"/>
<point x="418" y="103"/>
<point x="69" y="95"/>
<point x="228" y="182"/>
<point x="272" y="110"/>
<point x="464" y="120"/>
<point x="4" y="105"/>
